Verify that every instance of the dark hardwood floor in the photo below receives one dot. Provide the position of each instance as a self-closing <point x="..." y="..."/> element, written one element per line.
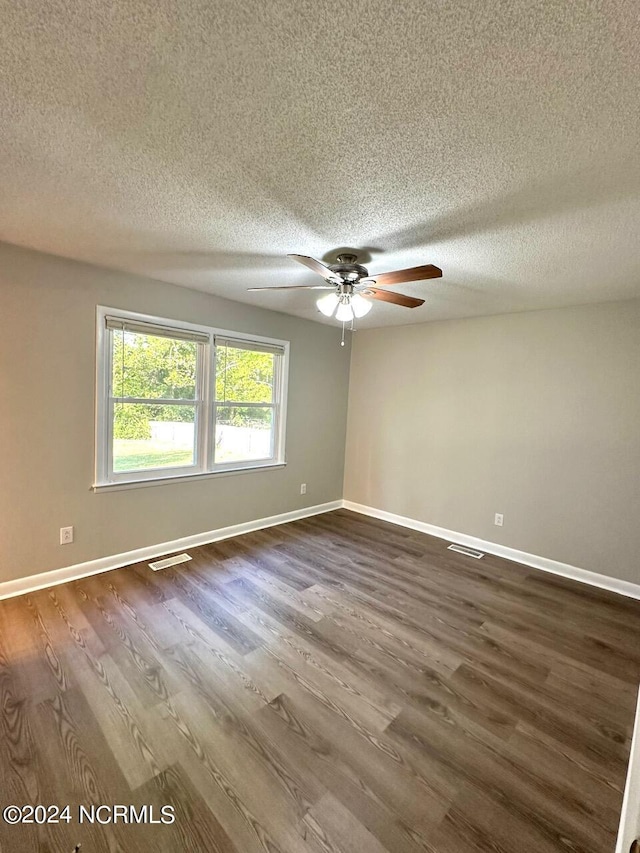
<point x="334" y="684"/>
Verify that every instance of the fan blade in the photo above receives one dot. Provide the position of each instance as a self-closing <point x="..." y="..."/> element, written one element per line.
<point x="412" y="274"/>
<point x="316" y="266"/>
<point x="396" y="298"/>
<point x="297" y="287"/>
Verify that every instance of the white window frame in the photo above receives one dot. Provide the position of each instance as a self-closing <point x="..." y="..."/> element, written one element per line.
<point x="205" y="405"/>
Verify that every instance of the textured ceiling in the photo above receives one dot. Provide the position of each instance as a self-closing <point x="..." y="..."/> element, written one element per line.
<point x="198" y="142"/>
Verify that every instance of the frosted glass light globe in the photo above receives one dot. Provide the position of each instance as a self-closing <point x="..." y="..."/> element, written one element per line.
<point x="344" y="312"/>
<point x="327" y="304"/>
<point x="360" y="305"/>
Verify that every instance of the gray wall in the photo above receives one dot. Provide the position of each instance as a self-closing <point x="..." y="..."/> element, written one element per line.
<point x="47" y="394"/>
<point x="534" y="415"/>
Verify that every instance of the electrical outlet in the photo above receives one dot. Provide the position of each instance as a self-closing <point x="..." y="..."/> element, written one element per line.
<point x="303" y="488"/>
<point x="498" y="519"/>
<point x="66" y="535"/>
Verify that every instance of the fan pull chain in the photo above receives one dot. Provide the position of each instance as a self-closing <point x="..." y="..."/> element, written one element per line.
<point x="342" y="341"/>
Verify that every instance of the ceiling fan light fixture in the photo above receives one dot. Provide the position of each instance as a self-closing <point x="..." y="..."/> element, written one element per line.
<point x="327" y="304"/>
<point x="360" y="305"/>
<point x="344" y="314"/>
<point x="349" y="280"/>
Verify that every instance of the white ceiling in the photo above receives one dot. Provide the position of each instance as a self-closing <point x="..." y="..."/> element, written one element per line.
<point x="199" y="142"/>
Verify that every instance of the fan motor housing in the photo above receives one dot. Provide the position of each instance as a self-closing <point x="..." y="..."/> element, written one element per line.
<point x="348" y="269"/>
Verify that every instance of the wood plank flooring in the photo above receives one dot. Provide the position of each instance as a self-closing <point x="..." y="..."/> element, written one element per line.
<point x="334" y="684"/>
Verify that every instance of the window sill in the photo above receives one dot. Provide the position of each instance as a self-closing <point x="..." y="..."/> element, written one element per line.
<point x="182" y="478"/>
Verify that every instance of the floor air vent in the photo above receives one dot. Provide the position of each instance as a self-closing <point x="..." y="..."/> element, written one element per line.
<point x="169" y="561"/>
<point x="469" y="552"/>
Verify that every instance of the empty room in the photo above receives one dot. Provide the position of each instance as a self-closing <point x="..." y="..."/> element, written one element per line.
<point x="320" y="427"/>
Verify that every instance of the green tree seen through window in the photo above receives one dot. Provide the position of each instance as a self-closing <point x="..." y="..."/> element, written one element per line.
<point x="150" y="368"/>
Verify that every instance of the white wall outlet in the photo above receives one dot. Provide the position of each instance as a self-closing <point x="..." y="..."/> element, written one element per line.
<point x="303" y="488"/>
<point x="498" y="519"/>
<point x="66" y="535"/>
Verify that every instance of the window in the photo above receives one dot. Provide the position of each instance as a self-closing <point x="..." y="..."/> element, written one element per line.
<point x="177" y="400"/>
<point x="246" y="400"/>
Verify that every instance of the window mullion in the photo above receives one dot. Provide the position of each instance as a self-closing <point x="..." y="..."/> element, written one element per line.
<point x="275" y="428"/>
<point x="212" y="409"/>
<point x="201" y="414"/>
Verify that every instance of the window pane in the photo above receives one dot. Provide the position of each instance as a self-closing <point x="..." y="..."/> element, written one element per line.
<point x="244" y="376"/>
<point x="151" y="367"/>
<point x="147" y="436"/>
<point x="243" y="434"/>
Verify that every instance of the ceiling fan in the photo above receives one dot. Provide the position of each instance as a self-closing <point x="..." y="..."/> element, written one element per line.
<point x="352" y="287"/>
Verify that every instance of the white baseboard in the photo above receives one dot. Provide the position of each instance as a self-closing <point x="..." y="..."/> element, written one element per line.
<point x="631" y="590"/>
<point x="630" y="815"/>
<point x="9" y="589"/>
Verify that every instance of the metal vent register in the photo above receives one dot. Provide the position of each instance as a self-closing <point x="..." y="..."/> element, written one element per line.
<point x="469" y="552"/>
<point x="169" y="561"/>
